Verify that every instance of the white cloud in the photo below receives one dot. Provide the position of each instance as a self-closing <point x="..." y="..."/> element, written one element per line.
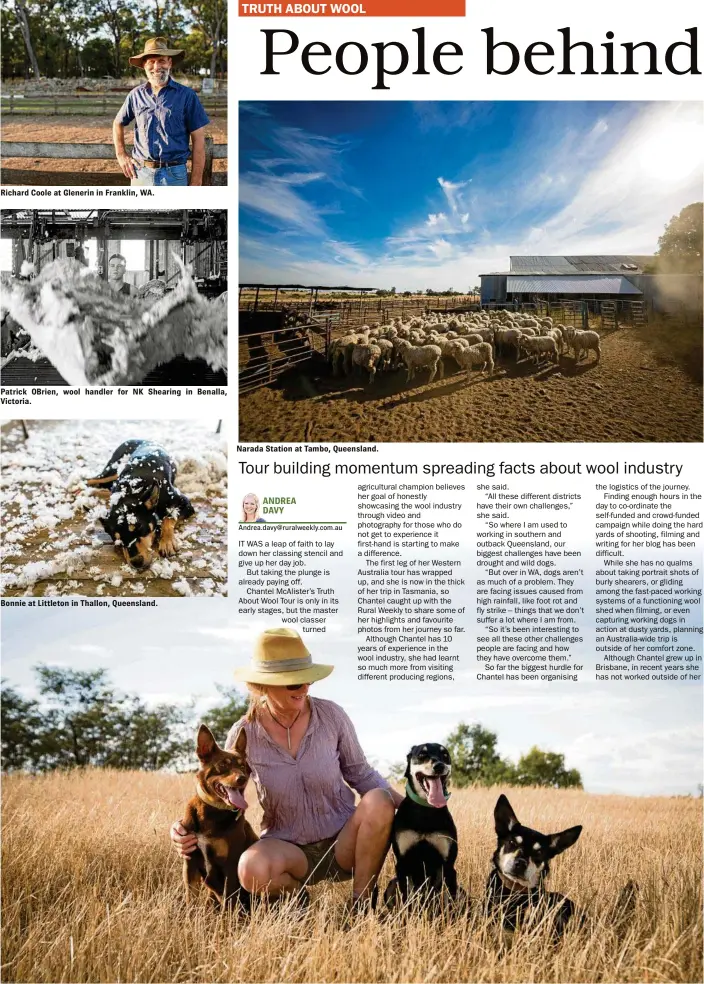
<point x="276" y="200"/>
<point x="622" y="198"/>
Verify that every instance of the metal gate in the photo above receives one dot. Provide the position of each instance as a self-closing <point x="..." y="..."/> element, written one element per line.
<point x="609" y="321"/>
<point x="266" y="355"/>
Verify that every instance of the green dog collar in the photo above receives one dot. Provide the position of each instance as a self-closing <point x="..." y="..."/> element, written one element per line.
<point x="412" y="794"/>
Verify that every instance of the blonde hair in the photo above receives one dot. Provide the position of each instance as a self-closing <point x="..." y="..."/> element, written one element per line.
<point x="244" y="519"/>
<point x="257" y="694"/>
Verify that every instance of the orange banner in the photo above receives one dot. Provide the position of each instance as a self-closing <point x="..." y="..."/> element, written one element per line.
<point x="363" y="8"/>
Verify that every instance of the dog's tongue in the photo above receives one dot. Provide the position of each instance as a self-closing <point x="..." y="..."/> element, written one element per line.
<point x="236" y="798"/>
<point x="436" y="796"/>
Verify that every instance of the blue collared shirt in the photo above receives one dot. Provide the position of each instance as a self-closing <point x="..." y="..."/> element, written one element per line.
<point x="163" y="123"/>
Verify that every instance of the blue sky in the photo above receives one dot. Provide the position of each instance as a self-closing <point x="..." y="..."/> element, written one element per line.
<point x="418" y="195"/>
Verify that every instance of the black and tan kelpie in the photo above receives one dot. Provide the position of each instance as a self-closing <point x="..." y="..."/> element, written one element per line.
<point x="145" y="505"/>
<point x="516" y="890"/>
<point x="216" y="816"/>
<point x="424" y="836"/>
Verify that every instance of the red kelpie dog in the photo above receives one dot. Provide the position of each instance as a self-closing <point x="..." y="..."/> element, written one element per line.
<point x="216" y="816"/>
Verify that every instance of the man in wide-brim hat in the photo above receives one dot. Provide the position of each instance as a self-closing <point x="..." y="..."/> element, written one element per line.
<point x="167" y="116"/>
<point x="305" y="760"/>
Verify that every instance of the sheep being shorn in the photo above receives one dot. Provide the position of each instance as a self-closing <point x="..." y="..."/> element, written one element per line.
<point x="476" y="355"/>
<point x="420" y="357"/>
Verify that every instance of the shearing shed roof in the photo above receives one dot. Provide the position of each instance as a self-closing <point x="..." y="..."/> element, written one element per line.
<point x="570" y="285"/>
<point x="579" y="264"/>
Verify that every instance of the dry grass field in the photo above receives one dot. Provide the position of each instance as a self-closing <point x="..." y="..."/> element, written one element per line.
<point x="91" y="892"/>
<point x="647" y="387"/>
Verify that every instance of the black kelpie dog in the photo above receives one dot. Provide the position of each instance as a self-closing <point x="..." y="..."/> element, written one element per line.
<point x="424" y="836"/>
<point x="144" y="503"/>
<point x="521" y="863"/>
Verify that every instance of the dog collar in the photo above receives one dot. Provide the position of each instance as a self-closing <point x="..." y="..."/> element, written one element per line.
<point x="413" y="795"/>
<point x="216" y="804"/>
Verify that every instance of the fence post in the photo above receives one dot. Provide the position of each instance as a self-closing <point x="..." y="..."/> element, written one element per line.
<point x="105" y="104"/>
<point x="12" y="102"/>
<point x="208" y="169"/>
<point x="56" y="106"/>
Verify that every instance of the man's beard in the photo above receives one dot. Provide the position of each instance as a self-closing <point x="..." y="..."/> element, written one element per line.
<point x="160" y="76"/>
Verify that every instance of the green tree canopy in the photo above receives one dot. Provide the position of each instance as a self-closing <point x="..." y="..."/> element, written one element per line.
<point x="68" y="38"/>
<point x="539" y="768"/>
<point x="220" y="718"/>
<point x="83" y="721"/>
<point x="680" y="246"/>
<point x="476" y="761"/>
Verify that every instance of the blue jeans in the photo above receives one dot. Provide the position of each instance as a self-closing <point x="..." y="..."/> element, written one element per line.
<point x="161" y="176"/>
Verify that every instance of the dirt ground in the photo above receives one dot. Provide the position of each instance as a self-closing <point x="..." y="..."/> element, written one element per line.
<point x="73" y="129"/>
<point x="632" y="394"/>
<point x="53" y="542"/>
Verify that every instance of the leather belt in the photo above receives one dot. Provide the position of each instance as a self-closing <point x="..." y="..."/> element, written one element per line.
<point x="157" y="164"/>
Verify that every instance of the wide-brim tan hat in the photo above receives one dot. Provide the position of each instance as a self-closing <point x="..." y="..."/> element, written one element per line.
<point x="157" y="48"/>
<point x="280" y="659"/>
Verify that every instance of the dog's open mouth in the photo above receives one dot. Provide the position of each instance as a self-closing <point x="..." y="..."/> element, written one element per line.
<point x="434" y="787"/>
<point x="231" y="795"/>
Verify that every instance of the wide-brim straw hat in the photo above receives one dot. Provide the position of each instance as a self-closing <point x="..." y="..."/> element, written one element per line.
<point x="280" y="659"/>
<point x="157" y="48"/>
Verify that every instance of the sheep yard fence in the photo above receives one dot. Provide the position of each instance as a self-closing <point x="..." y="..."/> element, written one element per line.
<point x="102" y="152"/>
<point x="268" y="348"/>
<point x="276" y="336"/>
<point x="89" y="103"/>
<point x="353" y="312"/>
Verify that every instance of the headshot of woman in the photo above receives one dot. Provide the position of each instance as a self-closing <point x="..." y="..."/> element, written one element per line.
<point x="250" y="509"/>
<point x="306" y="761"/>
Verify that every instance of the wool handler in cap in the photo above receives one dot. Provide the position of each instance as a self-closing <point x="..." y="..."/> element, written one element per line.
<point x="166" y="116"/>
<point x="306" y="759"/>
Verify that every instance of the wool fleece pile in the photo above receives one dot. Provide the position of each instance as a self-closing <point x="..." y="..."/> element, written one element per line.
<point x="94" y="337"/>
<point x="53" y="544"/>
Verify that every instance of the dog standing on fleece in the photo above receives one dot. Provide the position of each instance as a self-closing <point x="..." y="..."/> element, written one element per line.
<point x="145" y="505"/>
<point x="216" y="816"/>
<point x="424" y="836"/>
<point x="521" y="864"/>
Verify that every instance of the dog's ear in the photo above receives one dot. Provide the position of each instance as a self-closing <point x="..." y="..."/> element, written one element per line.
<point x="504" y="817"/>
<point x="407" y="773"/>
<point x="566" y="838"/>
<point x="240" y="745"/>
<point x="205" y="743"/>
<point x="152" y="497"/>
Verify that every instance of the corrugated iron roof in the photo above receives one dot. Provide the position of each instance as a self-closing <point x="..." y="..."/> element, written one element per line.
<point x="570" y="285"/>
<point x="579" y="264"/>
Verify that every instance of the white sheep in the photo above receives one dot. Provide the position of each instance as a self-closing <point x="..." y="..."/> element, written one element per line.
<point x="583" y="342"/>
<point x="485" y="334"/>
<point x="387" y="352"/>
<point x="420" y="357"/>
<point x="538" y="347"/>
<point x="366" y="357"/>
<point x="508" y="338"/>
<point x="341" y="352"/>
<point x="476" y="355"/>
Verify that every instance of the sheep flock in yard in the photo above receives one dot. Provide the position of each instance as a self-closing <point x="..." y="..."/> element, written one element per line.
<point x="471" y="341"/>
